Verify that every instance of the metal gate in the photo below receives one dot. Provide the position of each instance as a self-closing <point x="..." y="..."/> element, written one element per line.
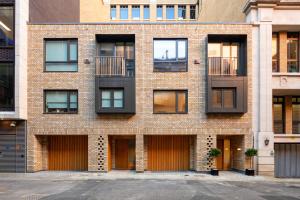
<point x="7" y="153"/>
<point x="287" y="160"/>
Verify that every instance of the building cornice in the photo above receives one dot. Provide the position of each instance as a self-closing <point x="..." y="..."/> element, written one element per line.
<point x="278" y="4"/>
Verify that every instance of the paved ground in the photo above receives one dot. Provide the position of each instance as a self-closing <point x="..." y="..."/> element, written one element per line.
<point x="147" y="186"/>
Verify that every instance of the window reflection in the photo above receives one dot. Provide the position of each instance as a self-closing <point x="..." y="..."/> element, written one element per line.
<point x="6" y="87"/>
<point x="6" y="26"/>
<point x="170" y="102"/>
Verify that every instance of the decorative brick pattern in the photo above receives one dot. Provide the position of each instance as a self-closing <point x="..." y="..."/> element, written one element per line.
<point x="101" y="154"/>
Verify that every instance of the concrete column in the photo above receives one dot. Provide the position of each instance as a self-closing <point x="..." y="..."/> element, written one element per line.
<point x="188" y="12"/>
<point x="139" y="151"/>
<point x="264" y="129"/>
<point x="176" y="12"/>
<point x="283" y="52"/>
<point x="130" y="12"/>
<point x="164" y="8"/>
<point x="288" y="115"/>
<point x="152" y="8"/>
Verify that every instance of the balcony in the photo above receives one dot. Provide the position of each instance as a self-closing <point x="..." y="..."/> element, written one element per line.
<point x="115" y="74"/>
<point x="227" y="84"/>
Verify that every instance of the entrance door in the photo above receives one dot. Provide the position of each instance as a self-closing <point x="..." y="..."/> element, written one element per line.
<point x="224" y="161"/>
<point x="124" y="154"/>
<point x="7" y="153"/>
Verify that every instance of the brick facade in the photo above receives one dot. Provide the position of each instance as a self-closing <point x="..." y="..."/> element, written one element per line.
<point x="204" y="128"/>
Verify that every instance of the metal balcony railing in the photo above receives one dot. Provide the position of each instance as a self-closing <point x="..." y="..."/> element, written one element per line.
<point x="223" y="66"/>
<point x="114" y="66"/>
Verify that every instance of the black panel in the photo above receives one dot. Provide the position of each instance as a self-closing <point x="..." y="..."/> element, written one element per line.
<point x="115" y="38"/>
<point x="125" y="83"/>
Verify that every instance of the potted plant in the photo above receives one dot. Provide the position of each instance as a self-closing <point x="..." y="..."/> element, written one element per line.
<point x="214" y="153"/>
<point x="250" y="153"/>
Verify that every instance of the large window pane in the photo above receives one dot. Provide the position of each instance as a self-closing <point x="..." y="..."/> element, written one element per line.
<point x="124" y="12"/>
<point x="170" y="12"/>
<point x="112" y="98"/>
<point x="292" y="52"/>
<point x="146" y="12"/>
<point x="118" y="98"/>
<point x="217" y="98"/>
<point x="6" y="26"/>
<point x="159" y="12"/>
<point x="135" y="12"/>
<point x="275" y="67"/>
<point x="296" y="115"/>
<point x="164" y="50"/>
<point x="57" y="51"/>
<point x="53" y="67"/>
<point x="164" y="102"/>
<point x="192" y="12"/>
<point x="181" y="12"/>
<point x="61" y="101"/>
<point x="106" y="97"/>
<point x="278" y="115"/>
<point x="113" y="12"/>
<point x="6" y="87"/>
<point x="73" y="51"/>
<point x="182" y="50"/>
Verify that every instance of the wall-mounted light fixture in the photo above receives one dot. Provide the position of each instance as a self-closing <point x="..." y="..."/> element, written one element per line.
<point x="13" y="124"/>
<point x="267" y="141"/>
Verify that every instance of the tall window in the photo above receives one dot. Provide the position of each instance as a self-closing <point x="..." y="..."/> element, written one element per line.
<point x="192" y="12"/>
<point x="296" y="114"/>
<point x="181" y="12"/>
<point x="292" y="52"/>
<point x="159" y="12"/>
<point x="61" y="55"/>
<point x="135" y="12"/>
<point x="6" y="26"/>
<point x="146" y="12"/>
<point x="224" y="98"/>
<point x="170" y="101"/>
<point x="124" y="12"/>
<point x="278" y="115"/>
<point x="112" y="98"/>
<point x="6" y="87"/>
<point x="170" y="55"/>
<point x="170" y="12"/>
<point x="275" y="63"/>
<point x="61" y="101"/>
<point x="113" y="12"/>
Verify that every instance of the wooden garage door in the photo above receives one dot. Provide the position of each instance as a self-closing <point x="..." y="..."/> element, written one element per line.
<point x="68" y="153"/>
<point x="168" y="153"/>
<point x="287" y="160"/>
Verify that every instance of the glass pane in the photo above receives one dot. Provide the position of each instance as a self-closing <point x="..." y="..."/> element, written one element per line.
<point x="226" y="51"/>
<point x="278" y="118"/>
<point x="56" y="99"/>
<point x="164" y="50"/>
<point x="118" y="94"/>
<point x="6" y="26"/>
<point x="106" y="103"/>
<point x="181" y="50"/>
<point x="113" y="12"/>
<point x="274" y="46"/>
<point x="73" y="51"/>
<point x="181" y="102"/>
<point x="124" y="12"/>
<point x="135" y="12"/>
<point x="292" y="49"/>
<point x="53" y="67"/>
<point x="193" y="12"/>
<point x="159" y="12"/>
<point x="293" y="66"/>
<point x="181" y="12"/>
<point x="106" y="95"/>
<point x="107" y="49"/>
<point x="129" y="50"/>
<point x="57" y="51"/>
<point x="73" y="97"/>
<point x="216" y="98"/>
<point x="234" y="50"/>
<point x="214" y="50"/>
<point x="229" y="98"/>
<point x="118" y="103"/>
<point x="146" y="12"/>
<point x="6" y="87"/>
<point x="296" y="118"/>
<point x="164" y="102"/>
<point x="170" y="12"/>
<point x="120" y="49"/>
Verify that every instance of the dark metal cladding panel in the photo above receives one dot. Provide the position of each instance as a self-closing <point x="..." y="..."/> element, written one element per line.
<point x="7" y="1"/>
<point x="54" y="11"/>
<point x="7" y="54"/>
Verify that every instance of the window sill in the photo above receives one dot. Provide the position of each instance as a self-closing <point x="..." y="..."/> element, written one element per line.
<point x="286" y="74"/>
<point x="170" y="113"/>
<point x="73" y="113"/>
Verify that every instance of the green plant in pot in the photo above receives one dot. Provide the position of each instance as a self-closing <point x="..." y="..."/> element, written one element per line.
<point x="250" y="153"/>
<point x="214" y="153"/>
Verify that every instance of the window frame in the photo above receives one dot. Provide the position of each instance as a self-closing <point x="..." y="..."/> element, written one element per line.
<point x="297" y="51"/>
<point x="69" y="61"/>
<point x="112" y="104"/>
<point x="283" y="113"/>
<point x="115" y="8"/>
<point x="185" y="91"/>
<point x="68" y="100"/>
<point x="222" y="97"/>
<point x="177" y="60"/>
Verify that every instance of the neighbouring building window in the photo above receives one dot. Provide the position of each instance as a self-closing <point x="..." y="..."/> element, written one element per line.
<point x="7" y="86"/>
<point x="113" y="12"/>
<point x="296" y="114"/>
<point x="61" y="101"/>
<point x="159" y="12"/>
<point x="192" y="12"/>
<point x="112" y="98"/>
<point x="170" y="102"/>
<point x="170" y="55"/>
<point x="275" y="47"/>
<point x="146" y="12"/>
<point x="181" y="12"/>
<point x="135" y="12"/>
<point x="170" y="12"/>
<point x="292" y="52"/>
<point x="61" y="55"/>
<point x="224" y="98"/>
<point x="123" y="12"/>
<point x="278" y="115"/>
<point x="6" y="26"/>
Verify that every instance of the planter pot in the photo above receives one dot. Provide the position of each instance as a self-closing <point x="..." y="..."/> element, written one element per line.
<point x="250" y="172"/>
<point x="214" y="172"/>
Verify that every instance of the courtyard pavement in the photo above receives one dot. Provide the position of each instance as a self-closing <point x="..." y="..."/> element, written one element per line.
<point x="118" y="185"/>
